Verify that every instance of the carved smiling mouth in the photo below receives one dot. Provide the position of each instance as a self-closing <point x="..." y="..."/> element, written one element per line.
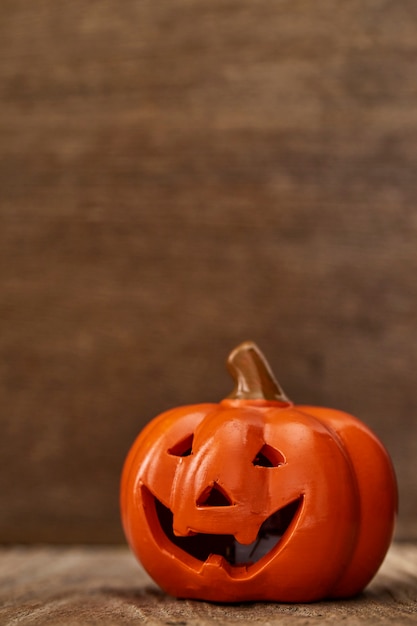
<point x="210" y="546"/>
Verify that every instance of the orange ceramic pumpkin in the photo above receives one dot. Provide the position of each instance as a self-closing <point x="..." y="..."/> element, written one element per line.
<point x="255" y="498"/>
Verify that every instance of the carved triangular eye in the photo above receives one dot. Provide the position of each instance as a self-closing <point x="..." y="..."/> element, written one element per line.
<point x="268" y="457"/>
<point x="184" y="447"/>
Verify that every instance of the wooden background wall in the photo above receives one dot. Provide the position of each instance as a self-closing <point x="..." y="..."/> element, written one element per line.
<point x="177" y="176"/>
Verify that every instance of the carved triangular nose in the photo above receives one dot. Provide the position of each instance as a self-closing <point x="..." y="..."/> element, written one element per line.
<point x="214" y="495"/>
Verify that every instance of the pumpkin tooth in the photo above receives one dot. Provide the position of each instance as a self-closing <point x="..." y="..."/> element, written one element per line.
<point x="215" y="560"/>
<point x="247" y="536"/>
<point x="181" y="531"/>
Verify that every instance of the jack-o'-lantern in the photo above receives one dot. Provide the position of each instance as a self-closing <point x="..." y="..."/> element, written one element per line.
<point x="255" y="498"/>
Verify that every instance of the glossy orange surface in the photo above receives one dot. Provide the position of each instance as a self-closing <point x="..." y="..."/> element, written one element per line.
<point x="255" y="498"/>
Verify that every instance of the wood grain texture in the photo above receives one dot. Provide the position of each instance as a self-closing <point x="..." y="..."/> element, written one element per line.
<point x="179" y="176"/>
<point x="79" y="585"/>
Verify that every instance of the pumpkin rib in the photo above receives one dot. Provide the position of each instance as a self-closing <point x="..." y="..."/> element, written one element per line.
<point x="378" y="493"/>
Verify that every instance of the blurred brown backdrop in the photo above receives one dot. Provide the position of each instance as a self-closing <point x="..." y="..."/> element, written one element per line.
<point x="178" y="176"/>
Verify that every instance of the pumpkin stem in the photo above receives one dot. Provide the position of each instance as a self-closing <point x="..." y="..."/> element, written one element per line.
<point x="254" y="379"/>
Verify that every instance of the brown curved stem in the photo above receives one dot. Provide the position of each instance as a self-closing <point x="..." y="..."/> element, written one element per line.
<point x="254" y="379"/>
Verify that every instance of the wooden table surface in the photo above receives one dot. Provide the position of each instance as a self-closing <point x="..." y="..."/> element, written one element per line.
<point x="105" y="585"/>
